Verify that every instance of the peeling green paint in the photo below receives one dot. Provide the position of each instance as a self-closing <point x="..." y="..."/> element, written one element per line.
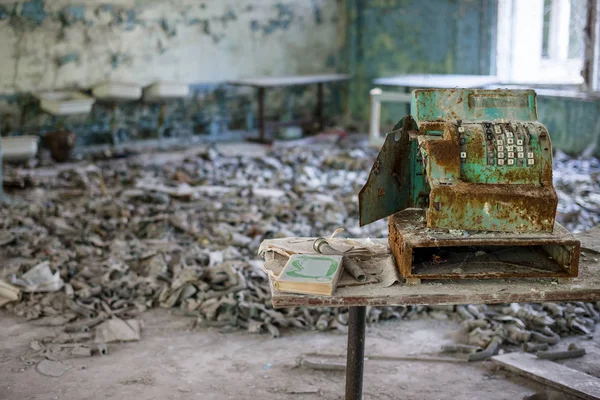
<point x="118" y="59"/>
<point x="284" y="18"/>
<point x="72" y="14"/>
<point x="4" y="13"/>
<point x="317" y="12"/>
<point x="33" y="11"/>
<point x="213" y="108"/>
<point x="168" y="28"/>
<point x="67" y="58"/>
<point x="127" y="18"/>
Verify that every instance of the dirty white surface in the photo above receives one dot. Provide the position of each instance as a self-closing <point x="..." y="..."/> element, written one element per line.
<point x="174" y="362"/>
<point x="67" y="44"/>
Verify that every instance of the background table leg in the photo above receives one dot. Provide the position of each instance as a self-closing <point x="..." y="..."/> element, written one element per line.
<point x="356" y="353"/>
<point x="260" y="94"/>
<point x="320" y="117"/>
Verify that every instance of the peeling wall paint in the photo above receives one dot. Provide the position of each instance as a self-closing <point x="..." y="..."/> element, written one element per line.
<point x="64" y="44"/>
<point x="185" y="40"/>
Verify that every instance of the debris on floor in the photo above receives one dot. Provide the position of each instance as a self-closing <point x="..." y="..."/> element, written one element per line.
<point x="519" y="324"/>
<point x="38" y="279"/>
<point x="108" y="239"/>
<point x="117" y="330"/>
<point x="8" y="293"/>
<point x="54" y="369"/>
<point x="577" y="184"/>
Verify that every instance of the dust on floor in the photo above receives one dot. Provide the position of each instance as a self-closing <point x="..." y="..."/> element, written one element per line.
<point x="174" y="362"/>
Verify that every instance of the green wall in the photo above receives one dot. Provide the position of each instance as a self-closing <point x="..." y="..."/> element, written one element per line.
<point x="390" y="37"/>
<point x="572" y="123"/>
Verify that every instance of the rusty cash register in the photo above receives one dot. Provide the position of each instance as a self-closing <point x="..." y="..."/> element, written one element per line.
<point x="466" y="181"/>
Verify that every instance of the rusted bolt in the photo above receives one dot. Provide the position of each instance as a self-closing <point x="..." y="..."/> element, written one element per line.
<point x="381" y="192"/>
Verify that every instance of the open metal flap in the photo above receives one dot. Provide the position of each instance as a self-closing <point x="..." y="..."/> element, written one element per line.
<point x="388" y="189"/>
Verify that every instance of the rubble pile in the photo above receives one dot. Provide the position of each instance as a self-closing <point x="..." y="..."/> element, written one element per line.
<point x="577" y="184"/>
<point x="113" y="239"/>
<point x="532" y="326"/>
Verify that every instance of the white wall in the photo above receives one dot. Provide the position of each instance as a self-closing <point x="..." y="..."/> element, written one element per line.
<point x="166" y="40"/>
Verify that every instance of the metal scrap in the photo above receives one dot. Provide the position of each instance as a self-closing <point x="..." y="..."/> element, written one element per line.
<point x="572" y="352"/>
<point x="118" y="330"/>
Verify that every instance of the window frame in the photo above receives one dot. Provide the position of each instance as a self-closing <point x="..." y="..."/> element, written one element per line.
<point x="520" y="42"/>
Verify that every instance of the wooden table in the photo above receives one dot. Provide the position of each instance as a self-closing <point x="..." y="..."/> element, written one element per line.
<point x="586" y="287"/>
<point x="262" y="83"/>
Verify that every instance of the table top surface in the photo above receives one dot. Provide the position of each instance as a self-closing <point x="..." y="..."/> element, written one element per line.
<point x="586" y="287"/>
<point x="273" y="81"/>
<point x="438" y="81"/>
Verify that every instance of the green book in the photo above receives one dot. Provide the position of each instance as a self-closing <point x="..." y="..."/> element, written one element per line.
<point x="310" y="274"/>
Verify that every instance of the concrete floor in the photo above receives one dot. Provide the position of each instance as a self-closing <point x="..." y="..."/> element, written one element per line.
<point x="174" y="362"/>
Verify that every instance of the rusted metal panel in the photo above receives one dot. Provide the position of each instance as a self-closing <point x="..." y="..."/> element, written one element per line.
<point x="394" y="182"/>
<point x="492" y="207"/>
<point x="455" y="256"/>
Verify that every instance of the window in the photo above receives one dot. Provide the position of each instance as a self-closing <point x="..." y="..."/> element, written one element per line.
<point x="541" y="41"/>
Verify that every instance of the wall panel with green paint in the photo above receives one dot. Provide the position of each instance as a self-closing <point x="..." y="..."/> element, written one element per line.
<point x="389" y="37"/>
<point x="572" y="123"/>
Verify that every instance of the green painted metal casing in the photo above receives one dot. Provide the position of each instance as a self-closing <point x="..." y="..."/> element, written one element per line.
<point x="475" y="159"/>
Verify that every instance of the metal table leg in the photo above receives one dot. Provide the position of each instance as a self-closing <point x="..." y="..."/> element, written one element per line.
<point x="355" y="358"/>
<point x="320" y="118"/>
<point x="262" y="125"/>
<point x="260" y="94"/>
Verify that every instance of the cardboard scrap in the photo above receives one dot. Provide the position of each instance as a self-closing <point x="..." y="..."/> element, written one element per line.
<point x="8" y="293"/>
<point x="118" y="330"/>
